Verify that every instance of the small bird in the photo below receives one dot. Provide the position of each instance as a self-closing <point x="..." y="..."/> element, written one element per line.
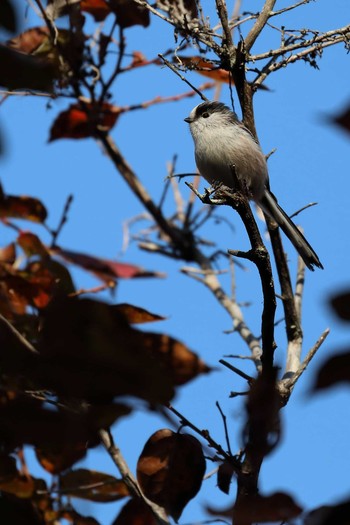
<point x="222" y="143"/>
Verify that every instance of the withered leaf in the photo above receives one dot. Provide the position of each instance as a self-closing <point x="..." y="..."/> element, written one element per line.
<point x="8" y="253"/>
<point x="136" y="314"/>
<point x="104" y="269"/>
<point x="343" y="119"/>
<point x="22" y="486"/>
<point x="335" y="370"/>
<point x="31" y="244"/>
<point x="89" y="350"/>
<point x="80" y="120"/>
<point x="57" y="457"/>
<point x="261" y="509"/>
<point x="24" y="420"/>
<point x="206" y="68"/>
<point x="135" y="512"/>
<point x="225" y="473"/>
<point x="170" y="470"/>
<point x="330" y="515"/>
<point x="93" y="486"/>
<point x="130" y="14"/>
<point x="22" y="207"/>
<point x="341" y="305"/>
<point x="99" y="9"/>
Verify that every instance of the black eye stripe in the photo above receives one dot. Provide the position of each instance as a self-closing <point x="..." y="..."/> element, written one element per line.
<point x="205" y="114"/>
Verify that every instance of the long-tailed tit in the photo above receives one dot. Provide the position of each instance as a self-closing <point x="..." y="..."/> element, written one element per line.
<point x="223" y="144"/>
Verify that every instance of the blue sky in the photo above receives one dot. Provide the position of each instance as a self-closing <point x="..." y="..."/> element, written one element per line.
<point x="310" y="164"/>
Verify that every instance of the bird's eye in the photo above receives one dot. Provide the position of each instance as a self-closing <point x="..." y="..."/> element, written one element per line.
<point x="205" y="114"/>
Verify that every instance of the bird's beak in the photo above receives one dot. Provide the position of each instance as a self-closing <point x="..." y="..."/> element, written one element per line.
<point x="188" y="119"/>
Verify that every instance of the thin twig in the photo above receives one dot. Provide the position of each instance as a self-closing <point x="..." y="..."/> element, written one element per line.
<point x="22" y="340"/>
<point x="237" y="371"/>
<point x="174" y="70"/>
<point x="343" y="32"/>
<point x="63" y="220"/>
<point x="224" y="420"/>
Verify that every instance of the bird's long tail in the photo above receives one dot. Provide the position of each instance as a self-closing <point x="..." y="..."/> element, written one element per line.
<point x="274" y="210"/>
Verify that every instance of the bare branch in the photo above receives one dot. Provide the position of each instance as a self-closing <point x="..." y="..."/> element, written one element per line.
<point x="227" y="44"/>
<point x="259" y="24"/>
<point x="325" y="39"/>
<point x="129" y="480"/>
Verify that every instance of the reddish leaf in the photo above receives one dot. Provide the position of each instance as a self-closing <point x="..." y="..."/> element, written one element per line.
<point x="135" y="512"/>
<point x="99" y="9"/>
<point x="341" y="305"/>
<point x="93" y="486"/>
<point x="32" y="288"/>
<point x="8" y="254"/>
<point x="225" y="474"/>
<point x="26" y="208"/>
<point x="138" y="59"/>
<point x="262" y="509"/>
<point x="334" y="370"/>
<point x="137" y="315"/>
<point x="105" y="269"/>
<point x="130" y="14"/>
<point x="170" y="470"/>
<point x="81" y="120"/>
<point x="31" y="244"/>
<point x="206" y="68"/>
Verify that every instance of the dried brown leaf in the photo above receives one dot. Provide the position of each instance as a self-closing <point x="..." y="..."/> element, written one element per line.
<point x="135" y="512"/>
<point x="93" y="486"/>
<point x="80" y="120"/>
<point x="335" y="370"/>
<point x="99" y="9"/>
<point x="26" y="208"/>
<point x="170" y="470"/>
<point x="136" y="314"/>
<point x="341" y="305"/>
<point x="262" y="509"/>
